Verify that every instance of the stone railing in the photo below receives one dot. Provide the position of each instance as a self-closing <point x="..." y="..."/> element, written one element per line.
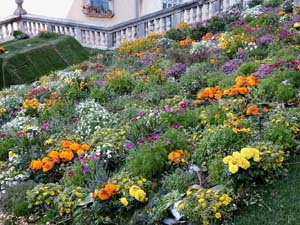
<point x="94" y="36"/>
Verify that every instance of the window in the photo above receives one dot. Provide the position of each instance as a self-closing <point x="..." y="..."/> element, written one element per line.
<point x="100" y="5"/>
<point x="171" y="3"/>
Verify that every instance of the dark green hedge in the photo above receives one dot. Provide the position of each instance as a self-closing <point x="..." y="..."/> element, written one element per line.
<point x="27" y="60"/>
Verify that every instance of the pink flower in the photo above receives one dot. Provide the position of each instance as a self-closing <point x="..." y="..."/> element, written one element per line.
<point x="183" y="104"/>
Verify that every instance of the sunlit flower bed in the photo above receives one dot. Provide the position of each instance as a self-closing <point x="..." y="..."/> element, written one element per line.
<point x="177" y="129"/>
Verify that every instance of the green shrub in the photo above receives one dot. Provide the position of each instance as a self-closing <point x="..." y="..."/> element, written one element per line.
<point x="218" y="141"/>
<point x="179" y="180"/>
<point x="273" y="3"/>
<point x="175" y="34"/>
<point x="121" y="86"/>
<point x="215" y="171"/>
<point x="185" y="119"/>
<point x="255" y="3"/>
<point x="148" y="161"/>
<point x="197" y="32"/>
<point x="279" y="134"/>
<point x="174" y="139"/>
<point x="15" y="202"/>
<point x="5" y="146"/>
<point x="247" y="68"/>
<point x="99" y="94"/>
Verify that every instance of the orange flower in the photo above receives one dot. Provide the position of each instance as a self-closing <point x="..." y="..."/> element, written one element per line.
<point x="252" y="110"/>
<point x="36" y="165"/>
<point x="103" y="195"/>
<point x="176" y="156"/>
<point x="138" y="54"/>
<point x="213" y="61"/>
<point x="80" y="152"/>
<point x="281" y="13"/>
<point x="75" y="147"/>
<point x="47" y="166"/>
<point x="85" y="147"/>
<point x="185" y="43"/>
<point x="108" y="191"/>
<point x="65" y="144"/>
<point x="66" y="156"/>
<point x="54" y="155"/>
<point x="266" y="110"/>
<point x="210" y="93"/>
<point x="2" y="49"/>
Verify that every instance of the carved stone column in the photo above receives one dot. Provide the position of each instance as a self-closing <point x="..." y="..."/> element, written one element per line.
<point x="19" y="11"/>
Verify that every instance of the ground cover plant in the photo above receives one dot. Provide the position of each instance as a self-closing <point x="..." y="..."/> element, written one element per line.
<point x="175" y="129"/>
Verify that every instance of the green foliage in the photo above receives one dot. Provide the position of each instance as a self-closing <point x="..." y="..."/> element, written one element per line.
<point x="40" y="56"/>
<point x="255" y="3"/>
<point x="15" y="202"/>
<point x="179" y="180"/>
<point x="148" y="161"/>
<point x="99" y="94"/>
<point x="47" y="35"/>
<point x="121" y="86"/>
<point x="174" y="139"/>
<point x="175" y="34"/>
<point x="273" y="3"/>
<point x="247" y="68"/>
<point x="185" y="119"/>
<point x="215" y="171"/>
<point x="5" y="146"/>
<point x="72" y="93"/>
<point x="279" y="134"/>
<point x="197" y="32"/>
<point x="218" y="141"/>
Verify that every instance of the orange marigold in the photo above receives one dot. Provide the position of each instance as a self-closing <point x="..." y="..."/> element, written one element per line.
<point x="252" y="110"/>
<point x="47" y="166"/>
<point x="36" y="165"/>
<point x="65" y="144"/>
<point x="210" y="93"/>
<point x="103" y="195"/>
<point x="85" y="147"/>
<point x="54" y="155"/>
<point x="176" y="156"/>
<point x="66" y="156"/>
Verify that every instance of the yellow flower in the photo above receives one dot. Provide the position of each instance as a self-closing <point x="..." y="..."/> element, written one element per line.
<point x="140" y="195"/>
<point x="233" y="169"/>
<point x="68" y="210"/>
<point x="124" y="201"/>
<point x="218" y="215"/>
<point x="205" y="223"/>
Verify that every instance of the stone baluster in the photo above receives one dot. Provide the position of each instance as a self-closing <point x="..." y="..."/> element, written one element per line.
<point x="83" y="36"/>
<point x="134" y="33"/>
<point x="103" y="39"/>
<point x="118" y="38"/>
<point x="168" y="23"/>
<point x="199" y="13"/>
<point x="1" y="33"/>
<point x="128" y="34"/>
<point x="29" y="27"/>
<point x="187" y="16"/>
<point x="193" y="15"/>
<point x="6" y="31"/>
<point x="157" y="26"/>
<point x="19" y="11"/>
<point x="97" y="36"/>
<point x="162" y="25"/>
<point x="205" y="12"/>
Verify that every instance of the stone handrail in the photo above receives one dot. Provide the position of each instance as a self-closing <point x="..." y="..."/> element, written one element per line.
<point x="95" y="36"/>
<point x="7" y="27"/>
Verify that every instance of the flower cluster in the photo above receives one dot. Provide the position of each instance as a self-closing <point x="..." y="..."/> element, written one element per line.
<point x="69" y="198"/>
<point x="176" y="70"/>
<point x="206" y="206"/>
<point x="252" y="110"/>
<point x="185" y="43"/>
<point x="177" y="156"/>
<point x="54" y="157"/>
<point x="43" y="195"/>
<point x="241" y="86"/>
<point x="241" y="159"/>
<point x="210" y="93"/>
<point x="31" y="104"/>
<point x="106" y="192"/>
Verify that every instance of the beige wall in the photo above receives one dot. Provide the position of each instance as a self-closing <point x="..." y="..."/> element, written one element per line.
<point x="71" y="9"/>
<point x="149" y="6"/>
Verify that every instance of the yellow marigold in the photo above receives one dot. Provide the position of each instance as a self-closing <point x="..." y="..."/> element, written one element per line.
<point x="124" y="201"/>
<point x="233" y="168"/>
<point x="36" y="165"/>
<point x="133" y="189"/>
<point x="140" y="195"/>
<point x="218" y="215"/>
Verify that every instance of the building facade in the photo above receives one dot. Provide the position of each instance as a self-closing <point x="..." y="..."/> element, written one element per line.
<point x="104" y="12"/>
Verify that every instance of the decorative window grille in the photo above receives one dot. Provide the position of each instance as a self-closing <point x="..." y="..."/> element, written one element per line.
<point x="171" y="3"/>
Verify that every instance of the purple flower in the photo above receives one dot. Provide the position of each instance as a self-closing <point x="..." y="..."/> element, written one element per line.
<point x="180" y="111"/>
<point x="155" y="136"/>
<point x="141" y="114"/>
<point x="183" y="104"/>
<point x="142" y="142"/>
<point x="176" y="70"/>
<point x="45" y="126"/>
<point x="129" y="146"/>
<point x="84" y="169"/>
<point x="285" y="82"/>
<point x="168" y="109"/>
<point x="231" y="66"/>
<point x="2" y="134"/>
<point x="263" y="71"/>
<point x="168" y="142"/>
<point x="175" y="126"/>
<point x="266" y="39"/>
<point x="285" y="34"/>
<point x="134" y="120"/>
<point x="70" y="173"/>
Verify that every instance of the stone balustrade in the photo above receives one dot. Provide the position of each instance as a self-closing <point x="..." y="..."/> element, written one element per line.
<point x="95" y="36"/>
